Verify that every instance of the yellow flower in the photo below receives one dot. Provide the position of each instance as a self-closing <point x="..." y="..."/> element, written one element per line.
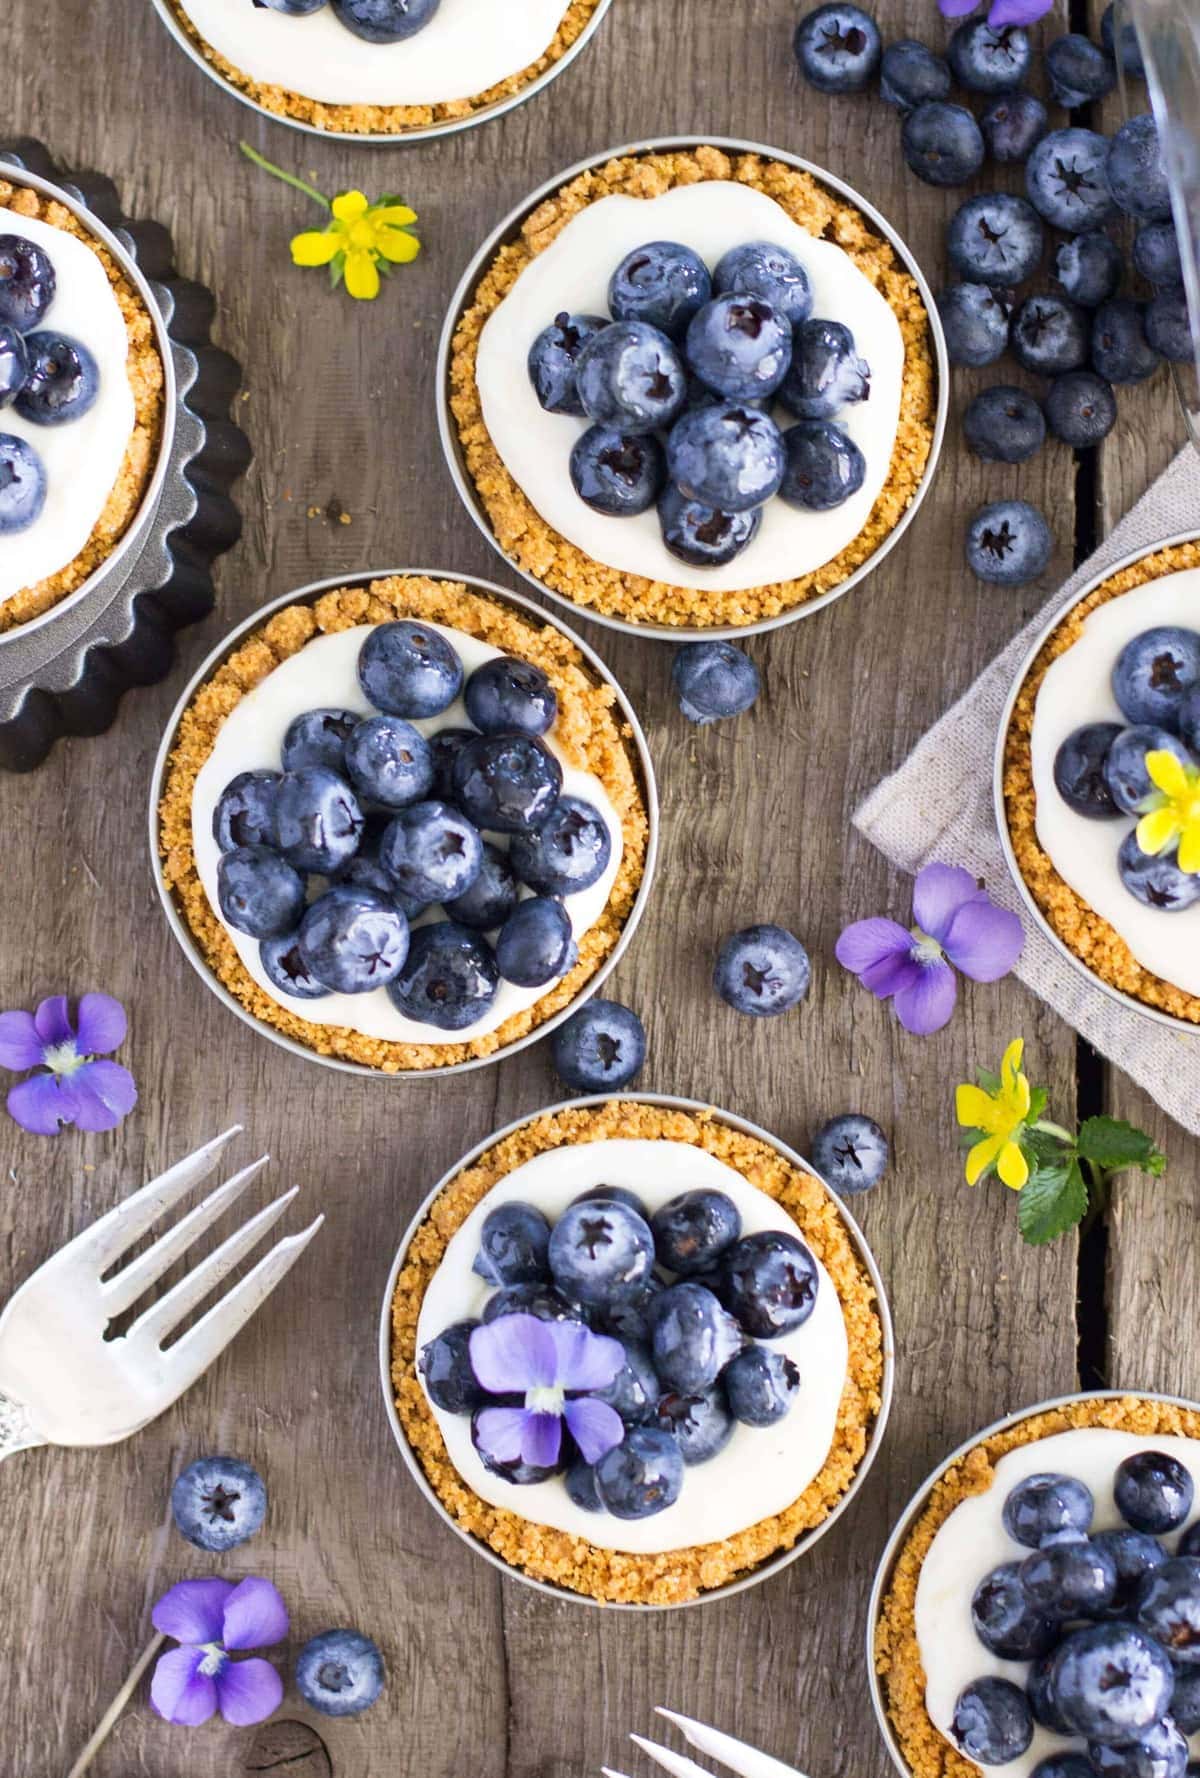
<point x="357" y="238"/>
<point x="1176" y="811"/>
<point x="1001" y="1116"/>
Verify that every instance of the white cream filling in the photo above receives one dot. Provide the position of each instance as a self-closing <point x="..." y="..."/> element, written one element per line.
<point x="573" y="274"/>
<point x="761" y="1470"/>
<point x="466" y="48"/>
<point x="1076" y="690"/>
<point x="323" y="674"/>
<point x="82" y="458"/>
<point x="973" y="1541"/>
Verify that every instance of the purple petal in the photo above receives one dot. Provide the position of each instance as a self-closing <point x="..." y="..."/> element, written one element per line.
<point x="595" y="1427"/>
<point x="43" y="1103"/>
<point x="513" y="1353"/>
<point x="179" y="1691"/>
<point x="957" y="9"/>
<point x="193" y="1610"/>
<point x="984" y="941"/>
<point x="927" y="1004"/>
<point x="870" y="941"/>
<point x="53" y="1020"/>
<point x="20" y="1045"/>
<point x="938" y="893"/>
<point x="1018" y="12"/>
<point x="101" y="1025"/>
<point x="104" y="1093"/>
<point x="541" y="1440"/>
<point x="891" y="974"/>
<point x="248" y="1692"/>
<point x="583" y="1359"/>
<point x="499" y="1432"/>
<point x="255" y="1615"/>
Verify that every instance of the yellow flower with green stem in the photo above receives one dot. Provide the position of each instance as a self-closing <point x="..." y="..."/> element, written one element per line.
<point x="1000" y="1117"/>
<point x="360" y="241"/>
<point x="1172" y="814"/>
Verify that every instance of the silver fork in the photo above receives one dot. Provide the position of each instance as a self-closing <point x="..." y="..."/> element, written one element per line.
<point x="62" y="1382"/>
<point x="739" y="1756"/>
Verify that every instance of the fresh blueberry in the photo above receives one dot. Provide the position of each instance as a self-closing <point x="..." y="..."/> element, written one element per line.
<point x="1159" y="1752"/>
<point x="1079" y="775"/>
<point x="507" y="696"/>
<point x="601" y="1252"/>
<point x="519" y="1473"/>
<point x="27" y="282"/>
<point x="701" y="535"/>
<point x="284" y="966"/>
<point x="769" y="1283"/>
<point x="662" y="283"/>
<point x="1188" y="717"/>
<point x="389" y="762"/>
<point x="692" y="1338"/>
<point x="1009" y="543"/>
<point x="450" y="978"/>
<point x="445" y="1367"/>
<point x="408" y="669"/>
<point x="1125" y="770"/>
<point x="444" y="748"/>
<point x="293" y="8"/>
<point x="353" y="940"/>
<point x="761" y="268"/>
<point x="631" y="378"/>
<point x="713" y="680"/>
<point x="824" y="466"/>
<point x="642" y="1475"/>
<point x="1079" y="73"/>
<point x="1123" y="45"/>
<point x="838" y="48"/>
<point x="634" y="1390"/>
<point x="988" y="58"/>
<point x="22" y="484"/>
<point x="62" y="381"/>
<point x="633" y="1321"/>
<point x="617" y="473"/>
<point x="1043" y="1700"/>
<point x="1064" y="177"/>
<point x="702" y="1423"/>
<point x="600" y="1048"/>
<point x="1004" y="425"/>
<point x="1012" y="126"/>
<point x="218" y="1502"/>
<point x="1120" y="350"/>
<point x="258" y="892"/>
<point x="506" y="783"/>
<point x="1081" y="409"/>
<point x="539" y="1300"/>
<point x="740" y="346"/>
<point x="1069" y="1577"/>
<point x="1153" y="671"/>
<point x="1136" y="1555"/>
<point x="827" y="373"/>
<point x="613" y="1194"/>
<point x="762" y="971"/>
<point x="1136" y="172"/>
<point x="318" y="822"/>
<point x="14" y="363"/>
<point x="1168" y="328"/>
<point x="726" y="456"/>
<point x="245" y="811"/>
<point x="1111" y="1681"/>
<point x="341" y="1672"/>
<point x="318" y="738"/>
<point x="431" y="852"/>
<point x="942" y="143"/>
<point x="692" y="1231"/>
<point x="760" y="1386"/>
<point x="580" y="1483"/>
<point x="569" y="851"/>
<point x="385" y="21"/>
<point x="992" y="1721"/>
<point x="553" y="357"/>
<point x="850" y="1153"/>
<point x="513" y="1245"/>
<point x="1153" y="1492"/>
<point x="1005" y="1620"/>
<point x="364" y="871"/>
<point x="1185" y="1701"/>
<point x="996" y="239"/>
<point x="1050" y="335"/>
<point x="1045" y="1506"/>
<point x="1156" y="254"/>
<point x="1168" y="1608"/>
<point x="1061" y="1765"/>
<point x="492" y="895"/>
<point x="910" y="74"/>
<point x="1088" y="267"/>
<point x="975" y="322"/>
<point x="535" y="946"/>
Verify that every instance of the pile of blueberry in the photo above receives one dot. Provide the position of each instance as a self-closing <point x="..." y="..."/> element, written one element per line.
<point x="370" y="824"/>
<point x="1110" y="1623"/>
<point x="687" y="1295"/>
<point x="46" y="377"/>
<point x="377" y="21"/>
<point x="680" y="381"/>
<point x="1100" y="769"/>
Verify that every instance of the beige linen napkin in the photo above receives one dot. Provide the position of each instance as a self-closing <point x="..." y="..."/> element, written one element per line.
<point x="939" y="806"/>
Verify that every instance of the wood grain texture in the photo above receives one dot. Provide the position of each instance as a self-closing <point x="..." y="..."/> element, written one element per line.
<point x="487" y="1677"/>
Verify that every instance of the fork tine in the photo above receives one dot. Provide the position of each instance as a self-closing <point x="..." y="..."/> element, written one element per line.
<point x="737" y="1755"/>
<point x="121" y="1292"/>
<point x="156" y="1322"/>
<point x="105" y="1241"/>
<point x="610" y="1773"/>
<point x="678" y="1764"/>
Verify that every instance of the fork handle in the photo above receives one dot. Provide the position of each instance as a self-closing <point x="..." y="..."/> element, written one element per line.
<point x="16" y="1433"/>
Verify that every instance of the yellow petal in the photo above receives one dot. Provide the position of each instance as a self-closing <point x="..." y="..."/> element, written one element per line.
<point x="1189" y="849"/>
<point x="1156" y="830"/>
<point x="982" y="1156"/>
<point x="394" y="215"/>
<point x="316" y="247"/>
<point x="362" y="276"/>
<point x="348" y="206"/>
<point x="1166" y="772"/>
<point x="1012" y="1166"/>
<point x="397" y="246"/>
<point x="1011" y="1064"/>
<point x="973" y="1109"/>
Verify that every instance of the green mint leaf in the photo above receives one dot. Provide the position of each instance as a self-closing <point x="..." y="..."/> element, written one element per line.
<point x="1044" y="1148"/>
<point x="1053" y="1199"/>
<point x="1111" y="1144"/>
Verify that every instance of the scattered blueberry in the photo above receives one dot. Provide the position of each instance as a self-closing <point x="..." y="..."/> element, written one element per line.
<point x="769" y="1282"/>
<point x="987" y="58"/>
<point x="492" y="895"/>
<point x="553" y="357"/>
<point x="1009" y="543"/>
<point x="1125" y="769"/>
<point x="506" y="783"/>
<point x="1136" y="172"/>
<point x="318" y="822"/>
<point x="431" y="852"/>
<point x="838" y="48"/>
<point x="318" y="738"/>
<point x="385" y="21"/>
<point x="27" y="282"/>
<point x="826" y="374"/>
<point x="1124" y="46"/>
<point x="850" y="1153"/>
<point x="975" y="322"/>
<point x="630" y="377"/>
<point x="1004" y="425"/>
<point x="713" y="680"/>
<point x="992" y="1722"/>
<point x="353" y="940"/>
<point x="1069" y="1577"/>
<point x="740" y="346"/>
<point x="1012" y="126"/>
<point x="218" y="1502"/>
<point x="535" y="946"/>
<point x="1050" y="335"/>
<point x="445" y="1366"/>
<point x="409" y="669"/>
<point x="389" y="761"/>
<point x="760" y="1386"/>
<point x="507" y="696"/>
<point x="513" y="1245"/>
<point x="1156" y="254"/>
<point x="258" y="892"/>
<point x="1111" y="1681"/>
<point x="702" y="1423"/>
<point x="62" y="381"/>
<point x="22" y="483"/>
<point x="1065" y="179"/>
<point x="1168" y="328"/>
<point x="910" y="74"/>
<point x="642" y="1475"/>
<point x="824" y="466"/>
<point x="450" y="978"/>
<point x="284" y="966"/>
<point x="1079" y="73"/>
<point x="1088" y="267"/>
<point x="617" y="473"/>
<point x="340" y="1672"/>
<point x="1153" y="671"/>
<point x="1081" y="409"/>
<point x="702" y="535"/>
<point x="1120" y="350"/>
<point x="942" y="143"/>
<point x="1079" y="775"/>
<point x="692" y="1338"/>
<point x="996" y="239"/>
<point x="727" y="457"/>
<point x="570" y="851"/>
<point x="762" y="970"/>
<point x="1045" y="1506"/>
<point x="601" y="1252"/>
<point x="1006" y="1621"/>
<point x="600" y="1048"/>
<point x="245" y="811"/>
<point x="759" y="268"/>
<point x="693" y="1230"/>
<point x="662" y="284"/>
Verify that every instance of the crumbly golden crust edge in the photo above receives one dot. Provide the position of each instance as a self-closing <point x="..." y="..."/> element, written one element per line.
<point x="897" y="1657"/>
<point x="534" y="546"/>
<point x="1090" y="937"/>
<point x="389" y="120"/>
<point x="145" y="372"/>
<point x="581" y="1567"/>
<point x="587" y="728"/>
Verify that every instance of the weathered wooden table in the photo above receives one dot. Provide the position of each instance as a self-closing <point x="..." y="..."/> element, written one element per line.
<point x="488" y="1678"/>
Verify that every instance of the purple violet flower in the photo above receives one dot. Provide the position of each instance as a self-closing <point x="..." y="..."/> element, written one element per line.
<point x="555" y="1365"/>
<point x="1001" y="12"/>
<point x="957" y="923"/>
<point x="72" y="1086"/>
<point x="210" y="1619"/>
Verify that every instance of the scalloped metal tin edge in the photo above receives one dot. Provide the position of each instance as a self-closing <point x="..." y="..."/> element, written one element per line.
<point x="181" y="930"/>
<point x="505" y="230"/>
<point x="774" y="1564"/>
<point x="1155" y="1013"/>
<point x="904" y="1524"/>
<point x="428" y="133"/>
